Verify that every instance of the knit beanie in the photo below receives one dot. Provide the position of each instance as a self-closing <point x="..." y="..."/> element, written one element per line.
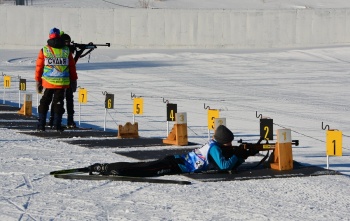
<point x="54" y="33"/>
<point x="65" y="37"/>
<point x="223" y="135"/>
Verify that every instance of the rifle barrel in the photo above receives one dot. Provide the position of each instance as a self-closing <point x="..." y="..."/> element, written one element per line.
<point x="107" y="44"/>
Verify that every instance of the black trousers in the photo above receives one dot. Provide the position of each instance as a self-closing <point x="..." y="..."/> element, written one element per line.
<point x="69" y="103"/>
<point x="165" y="166"/>
<point x="56" y="96"/>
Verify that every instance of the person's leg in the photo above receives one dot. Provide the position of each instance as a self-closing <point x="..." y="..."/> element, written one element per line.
<point x="58" y="107"/>
<point x="43" y="108"/>
<point x="70" y="108"/>
<point x="165" y="166"/>
<point x="52" y="115"/>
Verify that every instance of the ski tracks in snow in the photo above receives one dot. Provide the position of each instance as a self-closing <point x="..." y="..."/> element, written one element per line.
<point x="22" y="61"/>
<point x="115" y="195"/>
<point x="25" y="207"/>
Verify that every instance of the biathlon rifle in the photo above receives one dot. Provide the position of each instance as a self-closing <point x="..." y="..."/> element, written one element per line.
<point x="251" y="148"/>
<point x="261" y="147"/>
<point x="89" y="45"/>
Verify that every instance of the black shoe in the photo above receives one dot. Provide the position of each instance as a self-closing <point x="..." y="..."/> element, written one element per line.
<point x="50" y="124"/>
<point x="98" y="168"/>
<point x="71" y="125"/>
<point x="70" y="122"/>
<point x="58" y="128"/>
<point x="40" y="128"/>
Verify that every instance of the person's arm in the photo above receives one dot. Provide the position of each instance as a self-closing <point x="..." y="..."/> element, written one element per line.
<point x="78" y="54"/>
<point x="223" y="163"/>
<point x="72" y="68"/>
<point x="74" y="52"/>
<point x="39" y="68"/>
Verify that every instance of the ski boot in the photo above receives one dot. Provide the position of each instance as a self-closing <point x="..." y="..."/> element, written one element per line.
<point x="70" y="122"/>
<point x="57" y="123"/>
<point x="41" y="122"/>
<point x="58" y="128"/>
<point x="51" y="121"/>
<point x="98" y="168"/>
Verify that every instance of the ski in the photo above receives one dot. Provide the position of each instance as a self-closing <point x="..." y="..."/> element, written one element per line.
<point x="77" y="128"/>
<point x="74" y="170"/>
<point x="119" y="178"/>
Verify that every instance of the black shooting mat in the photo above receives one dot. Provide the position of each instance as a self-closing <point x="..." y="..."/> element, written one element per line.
<point x="16" y="117"/>
<point x="69" y="133"/>
<point x="247" y="172"/>
<point x="13" y="120"/>
<point x="4" y="107"/>
<point x="118" y="142"/>
<point x="25" y="125"/>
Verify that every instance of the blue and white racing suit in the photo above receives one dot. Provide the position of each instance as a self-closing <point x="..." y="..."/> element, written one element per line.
<point x="198" y="160"/>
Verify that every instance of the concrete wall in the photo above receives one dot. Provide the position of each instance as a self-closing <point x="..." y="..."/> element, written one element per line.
<point x="28" y="27"/>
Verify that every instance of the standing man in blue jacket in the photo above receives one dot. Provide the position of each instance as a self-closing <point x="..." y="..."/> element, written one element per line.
<point x="208" y="157"/>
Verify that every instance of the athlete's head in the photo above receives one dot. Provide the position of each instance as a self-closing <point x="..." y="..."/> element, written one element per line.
<point x="223" y="135"/>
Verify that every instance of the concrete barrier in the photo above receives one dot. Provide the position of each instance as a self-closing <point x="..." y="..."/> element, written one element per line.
<point x="28" y="27"/>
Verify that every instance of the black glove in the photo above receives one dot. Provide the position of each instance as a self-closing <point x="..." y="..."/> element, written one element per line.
<point x="252" y="152"/>
<point x="241" y="152"/>
<point x="39" y="87"/>
<point x="73" y="86"/>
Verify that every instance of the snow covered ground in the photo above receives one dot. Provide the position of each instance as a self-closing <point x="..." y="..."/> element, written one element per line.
<point x="298" y="88"/>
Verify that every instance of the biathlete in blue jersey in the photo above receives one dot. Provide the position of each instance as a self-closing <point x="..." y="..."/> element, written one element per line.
<point x="208" y="157"/>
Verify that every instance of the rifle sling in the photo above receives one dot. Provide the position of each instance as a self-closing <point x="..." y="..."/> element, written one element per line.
<point x="261" y="161"/>
<point x="86" y="53"/>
